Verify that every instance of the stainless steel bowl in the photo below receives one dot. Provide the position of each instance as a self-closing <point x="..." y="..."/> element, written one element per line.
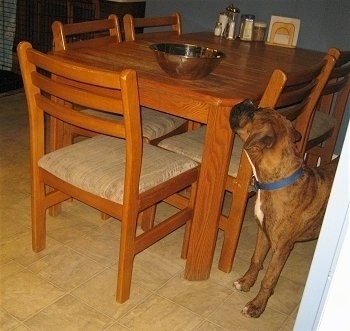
<point x="185" y="61"/>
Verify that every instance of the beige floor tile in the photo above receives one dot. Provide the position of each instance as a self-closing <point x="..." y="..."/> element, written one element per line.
<point x="169" y="248"/>
<point x="68" y="313"/>
<point x="19" y="248"/>
<point x="287" y="296"/>
<point x="226" y="279"/>
<point x="100" y="244"/>
<point x="15" y="202"/>
<point x="7" y="322"/>
<point x="15" y="175"/>
<point x="75" y="220"/>
<point x="207" y="326"/>
<point x="14" y="222"/>
<point x="228" y="315"/>
<point x="77" y="211"/>
<point x="298" y="264"/>
<point x="65" y="268"/>
<point x="21" y="327"/>
<point x="152" y="270"/>
<point x="117" y="327"/>
<point x="288" y="324"/>
<point x="23" y="294"/>
<point x="201" y="297"/>
<point x="159" y="314"/>
<point x="8" y="269"/>
<point x="99" y="293"/>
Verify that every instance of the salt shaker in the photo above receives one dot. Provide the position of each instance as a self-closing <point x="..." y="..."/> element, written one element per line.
<point x="223" y="19"/>
<point x="218" y="29"/>
<point x="231" y="30"/>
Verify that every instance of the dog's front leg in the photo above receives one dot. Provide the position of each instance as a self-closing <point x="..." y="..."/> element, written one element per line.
<point x="262" y="247"/>
<point x="279" y="257"/>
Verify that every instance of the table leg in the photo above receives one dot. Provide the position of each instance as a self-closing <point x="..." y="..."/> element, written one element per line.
<point x="216" y="156"/>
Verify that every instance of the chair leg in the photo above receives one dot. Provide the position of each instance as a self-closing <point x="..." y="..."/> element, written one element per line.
<point x="126" y="256"/>
<point x="38" y="218"/>
<point x="232" y="229"/>
<point x="192" y="199"/>
<point x="55" y="210"/>
<point x="186" y="240"/>
<point x="147" y="218"/>
<point x="105" y="216"/>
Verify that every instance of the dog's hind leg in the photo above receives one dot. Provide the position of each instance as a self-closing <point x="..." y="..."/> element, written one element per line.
<point x="262" y="247"/>
<point x="256" y="307"/>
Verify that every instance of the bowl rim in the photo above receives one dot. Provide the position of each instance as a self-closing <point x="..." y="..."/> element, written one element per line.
<point x="220" y="53"/>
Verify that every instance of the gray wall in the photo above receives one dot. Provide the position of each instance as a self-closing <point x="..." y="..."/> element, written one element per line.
<point x="324" y="23"/>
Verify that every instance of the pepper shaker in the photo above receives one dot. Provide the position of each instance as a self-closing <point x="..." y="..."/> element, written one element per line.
<point x="232" y="13"/>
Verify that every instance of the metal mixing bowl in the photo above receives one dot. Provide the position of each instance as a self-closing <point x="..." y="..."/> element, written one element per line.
<point x="185" y="61"/>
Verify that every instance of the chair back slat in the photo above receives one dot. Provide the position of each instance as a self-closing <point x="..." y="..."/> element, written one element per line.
<point x="156" y="25"/>
<point x="84" y="34"/>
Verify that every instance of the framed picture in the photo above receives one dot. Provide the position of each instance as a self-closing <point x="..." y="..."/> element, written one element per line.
<point x="283" y="31"/>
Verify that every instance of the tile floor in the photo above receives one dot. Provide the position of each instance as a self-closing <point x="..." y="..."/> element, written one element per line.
<point x="70" y="285"/>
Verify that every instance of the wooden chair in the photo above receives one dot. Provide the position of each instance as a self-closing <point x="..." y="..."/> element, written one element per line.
<point x="162" y="24"/>
<point x="330" y="112"/>
<point x="115" y="171"/>
<point x="296" y="98"/>
<point x="155" y="125"/>
<point x="83" y="34"/>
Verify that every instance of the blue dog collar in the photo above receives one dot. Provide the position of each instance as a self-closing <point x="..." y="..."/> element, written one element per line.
<point x="279" y="184"/>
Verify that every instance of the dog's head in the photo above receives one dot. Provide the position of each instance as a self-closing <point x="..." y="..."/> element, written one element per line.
<point x="263" y="130"/>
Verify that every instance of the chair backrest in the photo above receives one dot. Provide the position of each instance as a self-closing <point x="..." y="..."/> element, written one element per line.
<point x="335" y="95"/>
<point x="131" y="24"/>
<point x="52" y="85"/>
<point x="81" y="34"/>
<point x="300" y="96"/>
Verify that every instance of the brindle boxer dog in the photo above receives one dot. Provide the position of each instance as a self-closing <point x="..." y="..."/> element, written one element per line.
<point x="291" y="197"/>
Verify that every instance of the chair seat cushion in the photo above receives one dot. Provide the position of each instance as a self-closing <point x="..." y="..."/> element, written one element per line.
<point x="322" y="123"/>
<point x="97" y="165"/>
<point x="191" y="144"/>
<point x="155" y="124"/>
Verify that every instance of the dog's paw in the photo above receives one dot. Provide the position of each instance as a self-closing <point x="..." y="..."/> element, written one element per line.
<point x="243" y="284"/>
<point x="250" y="310"/>
<point x="237" y="285"/>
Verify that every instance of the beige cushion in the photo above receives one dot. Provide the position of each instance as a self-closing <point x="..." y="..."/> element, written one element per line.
<point x="191" y="144"/>
<point x="155" y="124"/>
<point x="97" y="166"/>
<point x="321" y="124"/>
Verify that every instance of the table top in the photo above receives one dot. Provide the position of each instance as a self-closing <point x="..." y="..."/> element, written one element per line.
<point x="243" y="73"/>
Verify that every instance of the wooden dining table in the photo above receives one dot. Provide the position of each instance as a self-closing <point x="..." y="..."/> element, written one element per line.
<point x="243" y="73"/>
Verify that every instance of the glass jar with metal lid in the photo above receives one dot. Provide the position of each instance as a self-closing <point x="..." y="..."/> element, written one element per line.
<point x="259" y="30"/>
<point x="247" y="25"/>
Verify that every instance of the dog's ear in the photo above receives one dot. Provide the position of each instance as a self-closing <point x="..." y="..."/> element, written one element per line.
<point x="261" y="138"/>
